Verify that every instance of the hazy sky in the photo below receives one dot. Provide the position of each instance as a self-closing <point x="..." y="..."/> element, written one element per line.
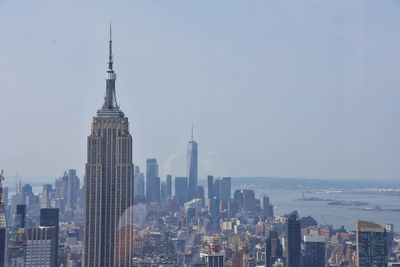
<point x="273" y="88"/>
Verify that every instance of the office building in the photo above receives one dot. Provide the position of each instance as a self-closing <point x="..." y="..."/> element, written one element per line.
<point x="152" y="181"/>
<point x="273" y="249"/>
<point x="214" y="208"/>
<point x="73" y="184"/>
<point x="371" y="245"/>
<point x="20" y="216"/>
<point x="139" y="183"/>
<point x="314" y="251"/>
<point x="163" y="191"/>
<point x="210" y="186"/>
<point x="108" y="183"/>
<point x="213" y="259"/>
<point x="169" y="185"/>
<point x="222" y="189"/>
<point x="3" y="228"/>
<point x="245" y="200"/>
<point x="192" y="167"/>
<point x="40" y="246"/>
<point x="181" y="190"/>
<point x="50" y="218"/>
<point x="293" y="241"/>
<point x="268" y="209"/>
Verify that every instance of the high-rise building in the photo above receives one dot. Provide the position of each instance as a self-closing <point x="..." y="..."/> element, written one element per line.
<point x="169" y="185"/>
<point x="214" y="208"/>
<point x="50" y="218"/>
<point x="222" y="189"/>
<point x="268" y="209"/>
<point x="294" y="241"/>
<point x="210" y="186"/>
<point x="273" y="248"/>
<point x="20" y="216"/>
<point x="390" y="237"/>
<point x="73" y="184"/>
<point x="314" y="251"/>
<point x="371" y="245"/>
<point x="109" y="183"/>
<point x="152" y="181"/>
<point x="245" y="200"/>
<point x="192" y="167"/>
<point x="41" y="243"/>
<point x="3" y="228"/>
<point x="139" y="192"/>
<point x="181" y="190"/>
<point x="163" y="191"/>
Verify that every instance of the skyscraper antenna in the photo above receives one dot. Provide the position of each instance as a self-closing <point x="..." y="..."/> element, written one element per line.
<point x="192" y="132"/>
<point x="110" y="57"/>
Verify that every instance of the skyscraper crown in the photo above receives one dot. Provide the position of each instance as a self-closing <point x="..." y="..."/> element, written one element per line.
<point x="110" y="107"/>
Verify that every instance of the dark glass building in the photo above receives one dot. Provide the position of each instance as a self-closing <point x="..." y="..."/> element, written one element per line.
<point x="20" y="216"/>
<point x="294" y="241"/>
<point x="273" y="248"/>
<point x="314" y="251"/>
<point x="50" y="218"/>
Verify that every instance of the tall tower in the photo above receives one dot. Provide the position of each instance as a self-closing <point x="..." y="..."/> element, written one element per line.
<point x="294" y="240"/>
<point x="109" y="183"/>
<point x="192" y="167"/>
<point x="3" y="227"/>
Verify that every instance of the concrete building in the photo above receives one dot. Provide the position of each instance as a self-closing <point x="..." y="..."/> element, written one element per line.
<point x="40" y="246"/>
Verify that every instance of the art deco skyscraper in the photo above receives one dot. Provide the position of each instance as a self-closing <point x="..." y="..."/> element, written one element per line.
<point x="192" y="167"/>
<point x="109" y="183"/>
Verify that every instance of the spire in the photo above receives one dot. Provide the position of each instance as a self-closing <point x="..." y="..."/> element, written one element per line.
<point x="110" y="57"/>
<point x="110" y="105"/>
<point x="192" y="132"/>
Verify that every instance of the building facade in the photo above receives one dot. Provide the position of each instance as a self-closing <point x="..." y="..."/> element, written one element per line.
<point x="294" y="241"/>
<point x="41" y="242"/>
<point x="371" y="245"/>
<point x="109" y="183"/>
<point x="314" y="251"/>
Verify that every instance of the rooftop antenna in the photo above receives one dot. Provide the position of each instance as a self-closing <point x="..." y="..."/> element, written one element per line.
<point x="192" y="132"/>
<point x="110" y="57"/>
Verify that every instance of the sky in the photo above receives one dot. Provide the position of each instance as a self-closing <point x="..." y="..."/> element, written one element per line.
<point x="273" y="88"/>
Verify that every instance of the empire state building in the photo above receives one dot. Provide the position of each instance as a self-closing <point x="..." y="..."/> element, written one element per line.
<point x="109" y="183"/>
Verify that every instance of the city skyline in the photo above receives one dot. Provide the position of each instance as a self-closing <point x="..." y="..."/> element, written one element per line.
<point x="258" y="78"/>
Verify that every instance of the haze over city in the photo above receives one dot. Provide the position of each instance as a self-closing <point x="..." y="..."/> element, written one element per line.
<point x="272" y="88"/>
